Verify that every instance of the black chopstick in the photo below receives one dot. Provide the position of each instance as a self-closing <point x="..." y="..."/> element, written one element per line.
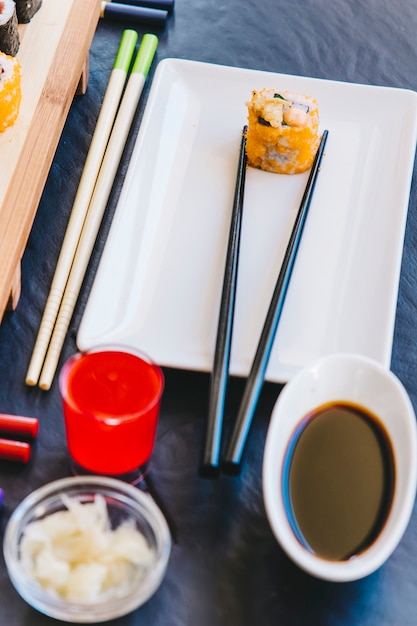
<point x="209" y="465"/>
<point x="165" y="5"/>
<point x="118" y="11"/>
<point x="232" y="460"/>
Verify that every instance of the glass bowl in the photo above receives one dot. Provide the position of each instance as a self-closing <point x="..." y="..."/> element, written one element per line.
<point x="125" y="503"/>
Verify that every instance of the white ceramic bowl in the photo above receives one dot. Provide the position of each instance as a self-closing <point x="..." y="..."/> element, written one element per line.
<point x="362" y="381"/>
<point x="123" y="502"/>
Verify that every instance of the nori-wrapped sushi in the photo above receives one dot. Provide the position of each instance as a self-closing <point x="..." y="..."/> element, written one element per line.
<point x="9" y="32"/>
<point x="26" y="9"/>
<point x="282" y="134"/>
<point x="10" y="90"/>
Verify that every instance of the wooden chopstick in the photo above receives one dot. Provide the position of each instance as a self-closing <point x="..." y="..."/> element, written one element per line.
<point x="232" y="460"/>
<point x="85" y="190"/>
<point x="211" y="449"/>
<point x="98" y="203"/>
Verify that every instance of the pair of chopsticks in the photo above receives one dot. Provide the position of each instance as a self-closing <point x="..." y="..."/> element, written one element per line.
<point x="212" y="445"/>
<point x="12" y="425"/>
<point x="103" y="158"/>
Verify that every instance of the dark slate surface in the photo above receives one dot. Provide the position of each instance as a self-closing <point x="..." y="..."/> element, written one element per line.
<point x="226" y="568"/>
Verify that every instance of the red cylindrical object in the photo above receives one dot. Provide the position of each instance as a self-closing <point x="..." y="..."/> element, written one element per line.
<point x="18" y="425"/>
<point x="14" y="451"/>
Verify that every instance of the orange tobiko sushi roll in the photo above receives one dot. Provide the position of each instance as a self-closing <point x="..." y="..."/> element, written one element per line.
<point x="10" y="90"/>
<point x="283" y="131"/>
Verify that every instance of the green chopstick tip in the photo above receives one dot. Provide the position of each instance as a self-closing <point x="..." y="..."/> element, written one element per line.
<point x="126" y="50"/>
<point x="145" y="55"/>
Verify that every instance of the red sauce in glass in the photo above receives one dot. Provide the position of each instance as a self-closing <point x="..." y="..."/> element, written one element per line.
<point x="111" y="408"/>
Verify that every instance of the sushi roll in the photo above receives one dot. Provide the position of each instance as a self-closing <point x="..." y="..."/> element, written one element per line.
<point x="283" y="131"/>
<point x="10" y="90"/>
<point x="26" y="9"/>
<point x="9" y="33"/>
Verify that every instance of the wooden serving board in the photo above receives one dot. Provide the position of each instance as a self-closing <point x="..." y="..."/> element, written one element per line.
<point x="54" y="58"/>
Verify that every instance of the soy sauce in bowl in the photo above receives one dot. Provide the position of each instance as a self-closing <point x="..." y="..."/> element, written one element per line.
<point x="338" y="480"/>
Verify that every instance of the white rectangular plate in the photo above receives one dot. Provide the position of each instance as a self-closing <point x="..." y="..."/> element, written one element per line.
<point x="159" y="281"/>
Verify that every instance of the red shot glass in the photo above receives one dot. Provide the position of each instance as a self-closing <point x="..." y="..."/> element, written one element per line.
<point x="111" y="399"/>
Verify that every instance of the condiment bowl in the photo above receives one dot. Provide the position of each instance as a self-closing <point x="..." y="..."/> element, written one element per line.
<point x="125" y="505"/>
<point x="358" y="381"/>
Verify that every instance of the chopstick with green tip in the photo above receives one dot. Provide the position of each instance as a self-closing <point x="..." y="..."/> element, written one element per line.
<point x="84" y="194"/>
<point x="98" y="203"/>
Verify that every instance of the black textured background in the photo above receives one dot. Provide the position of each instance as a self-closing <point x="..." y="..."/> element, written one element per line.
<point x="226" y="568"/>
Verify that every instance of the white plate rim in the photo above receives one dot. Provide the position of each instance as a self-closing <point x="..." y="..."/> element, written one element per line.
<point x="95" y="328"/>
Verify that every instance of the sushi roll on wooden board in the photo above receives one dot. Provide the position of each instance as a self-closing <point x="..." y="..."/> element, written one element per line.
<point x="10" y="90"/>
<point x="9" y="33"/>
<point x="26" y="9"/>
<point x="283" y="131"/>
